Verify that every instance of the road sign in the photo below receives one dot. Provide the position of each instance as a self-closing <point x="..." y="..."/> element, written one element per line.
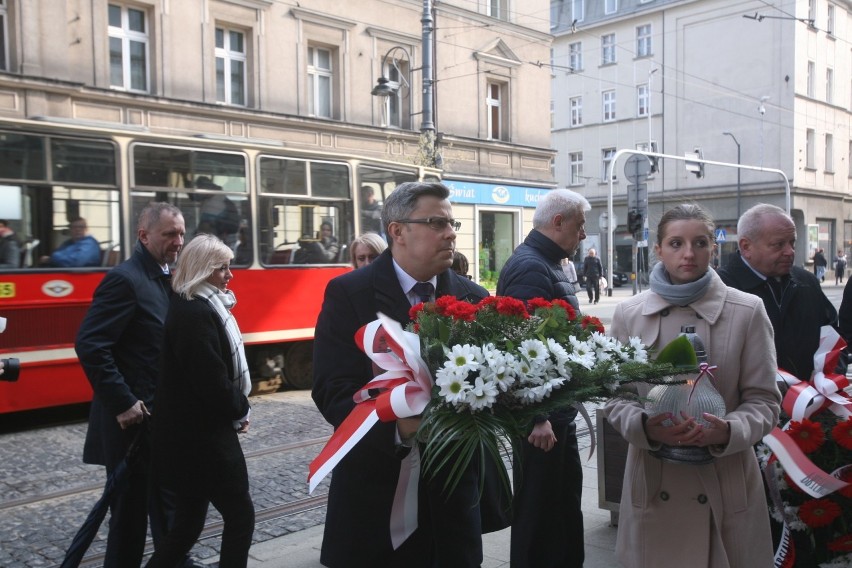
<point x="637" y="197"/>
<point x="721" y="235"/>
<point x="637" y="168"/>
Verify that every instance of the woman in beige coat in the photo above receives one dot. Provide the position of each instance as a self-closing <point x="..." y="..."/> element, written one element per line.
<point x="714" y="515"/>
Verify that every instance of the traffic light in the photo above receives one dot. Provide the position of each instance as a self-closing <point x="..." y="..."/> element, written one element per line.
<point x="635" y="221"/>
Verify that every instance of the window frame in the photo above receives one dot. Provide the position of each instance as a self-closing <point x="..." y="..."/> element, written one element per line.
<point x="576" y="111"/>
<point x="829" y="85"/>
<point x="811" y="79"/>
<point x="608" y="108"/>
<point x="643" y="100"/>
<point x="127" y="36"/>
<point x="578" y="10"/>
<point x="810" y="142"/>
<point x="499" y="9"/>
<point x="575" y="171"/>
<point x="575" y="56"/>
<point x="228" y="56"/>
<point x="496" y="109"/>
<point x="4" y="41"/>
<point x="610" y="6"/>
<point x="829" y="153"/>
<point x="607" y="154"/>
<point x="644" y="45"/>
<point x="608" y="49"/>
<point x="315" y="76"/>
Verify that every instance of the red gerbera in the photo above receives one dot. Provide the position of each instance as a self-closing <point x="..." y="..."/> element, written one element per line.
<point x="507" y="306"/>
<point x="842" y="433"/>
<point x="807" y="434"/>
<point x="842" y="544"/>
<point x="819" y="512"/>
<point x="846" y="475"/>
<point x="592" y="322"/>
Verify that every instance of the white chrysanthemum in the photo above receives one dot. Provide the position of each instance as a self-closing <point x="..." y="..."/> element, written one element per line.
<point x="528" y="395"/>
<point x="557" y="352"/>
<point x="483" y="394"/>
<point x="602" y="341"/>
<point x="499" y="369"/>
<point x="463" y="358"/>
<point x="454" y="387"/>
<point x="603" y="354"/>
<point x="534" y="350"/>
<point x="586" y="360"/>
<point x="793" y="520"/>
<point x="763" y="453"/>
<point x="640" y="354"/>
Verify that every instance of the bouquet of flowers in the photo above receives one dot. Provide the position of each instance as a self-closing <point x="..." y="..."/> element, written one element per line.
<point x="808" y="465"/>
<point x="500" y="363"/>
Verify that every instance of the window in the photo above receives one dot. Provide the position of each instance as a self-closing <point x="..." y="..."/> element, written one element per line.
<point x="397" y="106"/>
<point x="829" y="25"/>
<point x="495" y="107"/>
<point x="643" y="41"/>
<point x="610" y="6"/>
<point x="298" y="197"/>
<point x="829" y="85"/>
<point x="812" y="11"/>
<point x="576" y="161"/>
<point x="575" y="56"/>
<point x="849" y="159"/>
<point x="576" y="111"/>
<point x="320" y="81"/>
<point x="643" y="99"/>
<point x="609" y="105"/>
<point x="4" y="34"/>
<point x="230" y="67"/>
<point x="811" y="73"/>
<point x="607" y="155"/>
<point x="128" y="48"/>
<point x="607" y="49"/>
<point x="499" y="9"/>
<point x="552" y="113"/>
<point x="810" y="139"/>
<point x="577" y="12"/>
<point x="829" y="153"/>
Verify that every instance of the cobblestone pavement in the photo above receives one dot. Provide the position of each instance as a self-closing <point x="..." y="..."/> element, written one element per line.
<point x="49" y="460"/>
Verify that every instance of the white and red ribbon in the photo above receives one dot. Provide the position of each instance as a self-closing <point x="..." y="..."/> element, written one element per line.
<point x="803" y="400"/>
<point x="404" y="390"/>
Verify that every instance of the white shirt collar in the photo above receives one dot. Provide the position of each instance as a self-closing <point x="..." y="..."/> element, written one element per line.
<point x="407" y="282"/>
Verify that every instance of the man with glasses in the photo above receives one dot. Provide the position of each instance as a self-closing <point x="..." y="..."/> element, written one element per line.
<point x="547" y="521"/>
<point x="418" y="220"/>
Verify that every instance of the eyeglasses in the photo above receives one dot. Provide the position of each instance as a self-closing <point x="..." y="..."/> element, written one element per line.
<point x="436" y="223"/>
<point x="365" y="257"/>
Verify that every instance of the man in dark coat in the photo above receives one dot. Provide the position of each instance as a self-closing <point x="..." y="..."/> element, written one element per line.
<point x="547" y="520"/>
<point x="421" y="235"/>
<point x="592" y="272"/>
<point x="119" y="344"/>
<point x="794" y="300"/>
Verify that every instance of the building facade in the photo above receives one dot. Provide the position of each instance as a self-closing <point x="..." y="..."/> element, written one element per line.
<point x="766" y="86"/>
<point x="298" y="76"/>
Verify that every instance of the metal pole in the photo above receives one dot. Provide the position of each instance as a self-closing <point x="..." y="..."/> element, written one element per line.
<point x="739" y="172"/>
<point x="426" y="124"/>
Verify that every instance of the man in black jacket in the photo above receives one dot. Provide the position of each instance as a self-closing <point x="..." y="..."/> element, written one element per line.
<point x="417" y="218"/>
<point x="547" y="520"/>
<point x="119" y="344"/>
<point x="794" y="300"/>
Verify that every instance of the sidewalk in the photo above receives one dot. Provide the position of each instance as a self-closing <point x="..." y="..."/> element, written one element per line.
<point x="302" y="549"/>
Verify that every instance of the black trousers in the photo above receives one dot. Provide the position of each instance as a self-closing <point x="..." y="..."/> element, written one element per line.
<point x="237" y="512"/>
<point x="593" y="284"/>
<point x="547" y="524"/>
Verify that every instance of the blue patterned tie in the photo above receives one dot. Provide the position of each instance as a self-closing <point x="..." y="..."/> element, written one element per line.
<point x="424" y="291"/>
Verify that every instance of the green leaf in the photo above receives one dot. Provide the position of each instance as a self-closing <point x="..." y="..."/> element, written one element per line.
<point x="679" y="353"/>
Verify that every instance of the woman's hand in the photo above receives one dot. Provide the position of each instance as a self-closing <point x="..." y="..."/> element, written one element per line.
<point x="683" y="432"/>
<point x="542" y="436"/>
<point x="717" y="434"/>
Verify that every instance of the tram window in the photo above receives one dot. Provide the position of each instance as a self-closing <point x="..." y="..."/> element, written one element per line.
<point x="22" y="157"/>
<point x="83" y="161"/>
<point x="161" y="166"/>
<point x="329" y="180"/>
<point x="304" y="232"/>
<point x="283" y="176"/>
<point x="376" y="184"/>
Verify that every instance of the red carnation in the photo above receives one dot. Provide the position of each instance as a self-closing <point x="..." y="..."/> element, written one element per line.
<point x="807" y="434"/>
<point x="444" y="304"/>
<point x="592" y="322"/>
<point x="562" y="304"/>
<point x="842" y="433"/>
<point x="535" y="303"/>
<point x="569" y="311"/>
<point x="819" y="512"/>
<point x="507" y="306"/>
<point x="486" y="301"/>
<point x="842" y="544"/>
<point x="462" y="311"/>
<point x="415" y="311"/>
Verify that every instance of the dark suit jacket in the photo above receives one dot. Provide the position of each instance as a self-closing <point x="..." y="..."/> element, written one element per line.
<point x="363" y="483"/>
<point x="119" y="343"/>
<point x="195" y="446"/>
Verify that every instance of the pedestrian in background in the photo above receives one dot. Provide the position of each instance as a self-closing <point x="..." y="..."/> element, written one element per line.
<point x="119" y="345"/>
<point x="366" y="248"/>
<point x="10" y="248"/>
<point x="202" y="405"/>
<point x="592" y="272"/>
<point x="418" y="219"/>
<point x="820" y="264"/>
<point x="460" y="265"/>
<point x="570" y="272"/>
<point x="712" y="515"/>
<point x="839" y="267"/>
<point x="547" y="520"/>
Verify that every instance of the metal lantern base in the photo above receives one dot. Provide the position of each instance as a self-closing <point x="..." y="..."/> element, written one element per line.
<point x="684" y="455"/>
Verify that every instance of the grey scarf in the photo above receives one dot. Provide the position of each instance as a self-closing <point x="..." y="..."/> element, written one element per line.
<point x="678" y="294"/>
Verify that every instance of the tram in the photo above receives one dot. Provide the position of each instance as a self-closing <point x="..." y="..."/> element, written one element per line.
<point x="267" y="202"/>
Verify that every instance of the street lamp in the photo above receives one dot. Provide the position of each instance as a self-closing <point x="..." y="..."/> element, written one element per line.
<point x="739" y="155"/>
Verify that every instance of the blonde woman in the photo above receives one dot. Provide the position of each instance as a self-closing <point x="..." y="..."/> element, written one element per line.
<point x="366" y="248"/>
<point x="201" y="406"/>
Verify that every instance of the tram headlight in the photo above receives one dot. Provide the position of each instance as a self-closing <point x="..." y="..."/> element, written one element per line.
<point x="11" y="369"/>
